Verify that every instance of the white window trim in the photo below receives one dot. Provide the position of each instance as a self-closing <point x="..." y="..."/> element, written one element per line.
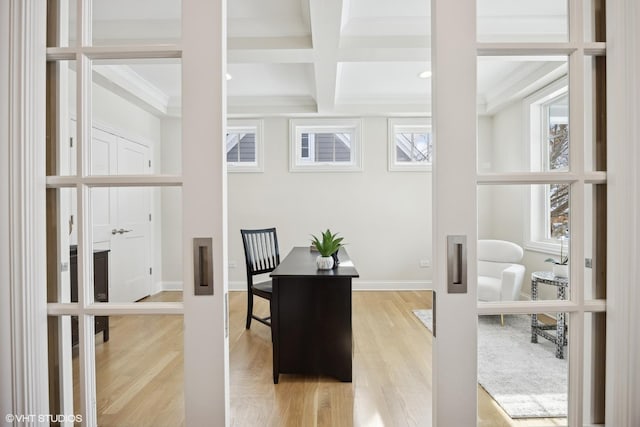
<point x="405" y="123"/>
<point x="299" y="126"/>
<point x="532" y="137"/>
<point x="249" y="125"/>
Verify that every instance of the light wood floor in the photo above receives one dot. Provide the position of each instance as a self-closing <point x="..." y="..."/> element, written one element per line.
<point x="139" y="372"/>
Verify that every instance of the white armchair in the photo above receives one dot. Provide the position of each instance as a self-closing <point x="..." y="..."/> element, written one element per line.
<point x="500" y="276"/>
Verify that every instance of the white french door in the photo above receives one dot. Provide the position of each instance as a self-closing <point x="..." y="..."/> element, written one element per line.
<point x="485" y="182"/>
<point x="87" y="59"/>
<point x="454" y="206"/>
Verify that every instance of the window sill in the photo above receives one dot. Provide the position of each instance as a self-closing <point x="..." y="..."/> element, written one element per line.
<point x="409" y="167"/>
<point x="548" y="248"/>
<point x="244" y="168"/>
<point x="325" y="167"/>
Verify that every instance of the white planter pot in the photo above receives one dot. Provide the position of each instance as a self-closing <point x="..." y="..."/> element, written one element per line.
<point x="324" y="262"/>
<point x="561" y="270"/>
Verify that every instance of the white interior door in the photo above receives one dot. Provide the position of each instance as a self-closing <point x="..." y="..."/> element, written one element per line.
<point x="130" y="235"/>
<point x="121" y="215"/>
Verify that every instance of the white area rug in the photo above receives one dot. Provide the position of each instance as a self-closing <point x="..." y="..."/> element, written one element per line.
<point x="525" y="379"/>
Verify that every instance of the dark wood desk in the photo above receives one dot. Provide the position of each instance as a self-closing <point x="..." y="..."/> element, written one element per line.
<point x="311" y="316"/>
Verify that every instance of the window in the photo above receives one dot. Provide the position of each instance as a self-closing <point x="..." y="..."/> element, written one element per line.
<point x="325" y="145"/>
<point x="244" y="146"/>
<point x="410" y="144"/>
<point x="548" y="137"/>
<point x="556" y="137"/>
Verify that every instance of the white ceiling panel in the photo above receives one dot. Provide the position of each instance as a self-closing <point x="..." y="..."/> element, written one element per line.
<point x="270" y="80"/>
<point x="386" y="18"/>
<point x="273" y="18"/>
<point x="371" y="80"/>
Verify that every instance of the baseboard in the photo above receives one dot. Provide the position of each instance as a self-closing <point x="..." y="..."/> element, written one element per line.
<point x="366" y="285"/>
<point x="237" y="286"/>
<point x="167" y="286"/>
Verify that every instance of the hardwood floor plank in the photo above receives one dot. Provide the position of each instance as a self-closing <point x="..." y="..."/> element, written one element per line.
<point x="140" y="372"/>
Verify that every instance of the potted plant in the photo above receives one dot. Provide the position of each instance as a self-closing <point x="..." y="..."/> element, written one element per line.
<point x="327" y="246"/>
<point x="560" y="266"/>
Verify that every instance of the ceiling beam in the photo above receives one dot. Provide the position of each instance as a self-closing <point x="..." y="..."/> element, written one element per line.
<point x="326" y="22"/>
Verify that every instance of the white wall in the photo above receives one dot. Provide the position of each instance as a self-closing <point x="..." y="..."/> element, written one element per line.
<point x="6" y="402"/>
<point x="385" y="217"/>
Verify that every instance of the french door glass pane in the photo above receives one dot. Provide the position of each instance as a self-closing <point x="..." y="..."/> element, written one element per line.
<point x="122" y="22"/>
<point x="63" y="373"/>
<point x="594" y="368"/>
<point x="595" y="114"/>
<point x="139" y="372"/>
<point x="61" y="238"/>
<point x="595" y="242"/>
<point x="136" y="107"/>
<point x="520" y="376"/>
<point x="61" y="119"/>
<point x="594" y="16"/>
<point x="62" y="25"/>
<point x="137" y="234"/>
<point x="522" y="21"/>
<point x="536" y="218"/>
<point x="523" y="114"/>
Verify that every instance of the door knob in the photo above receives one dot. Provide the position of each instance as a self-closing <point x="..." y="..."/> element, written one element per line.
<point x="121" y="231"/>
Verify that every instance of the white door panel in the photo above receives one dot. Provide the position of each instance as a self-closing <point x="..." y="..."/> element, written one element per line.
<point x="120" y="215"/>
<point x="133" y="158"/>
<point x="131" y="251"/>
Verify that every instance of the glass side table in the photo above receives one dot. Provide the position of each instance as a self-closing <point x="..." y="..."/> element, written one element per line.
<point x="538" y="328"/>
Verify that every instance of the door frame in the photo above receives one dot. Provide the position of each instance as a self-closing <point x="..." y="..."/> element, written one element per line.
<point x="22" y="211"/>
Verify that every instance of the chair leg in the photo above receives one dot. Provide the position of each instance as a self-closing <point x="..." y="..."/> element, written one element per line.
<point x="249" y="308"/>
<point x="502" y="319"/>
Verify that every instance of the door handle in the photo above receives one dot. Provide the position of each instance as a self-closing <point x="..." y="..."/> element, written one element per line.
<point x="457" y="264"/>
<point x="121" y="231"/>
<point x="203" y="265"/>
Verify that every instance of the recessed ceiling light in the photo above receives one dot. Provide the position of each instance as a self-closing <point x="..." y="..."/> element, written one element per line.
<point x="228" y="76"/>
<point x="425" y="74"/>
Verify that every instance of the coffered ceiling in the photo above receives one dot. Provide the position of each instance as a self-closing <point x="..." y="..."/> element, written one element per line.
<point x="333" y="57"/>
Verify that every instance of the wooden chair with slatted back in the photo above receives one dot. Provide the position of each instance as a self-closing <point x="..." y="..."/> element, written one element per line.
<point x="261" y="256"/>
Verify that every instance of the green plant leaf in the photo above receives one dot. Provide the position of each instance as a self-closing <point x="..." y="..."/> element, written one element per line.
<point x="329" y="244"/>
